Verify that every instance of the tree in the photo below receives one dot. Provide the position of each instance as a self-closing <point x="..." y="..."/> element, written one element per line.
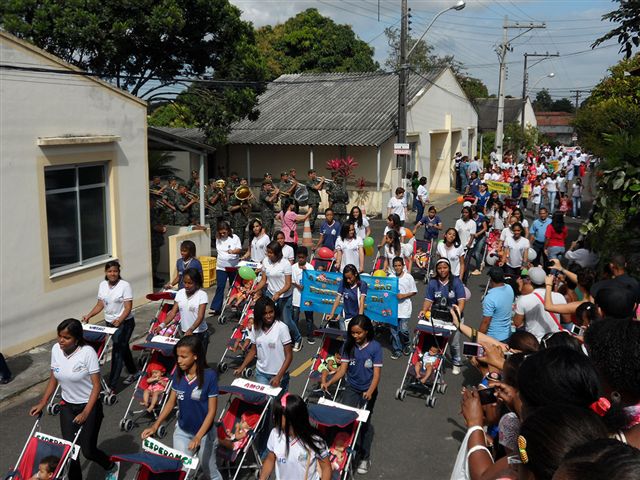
<point x="563" y="105"/>
<point x="144" y="45"/>
<point x="543" y="101"/>
<point x="473" y="87"/>
<point x="310" y="42"/>
<point x="628" y="32"/>
<point x="515" y="139"/>
<point x="172" y="114"/>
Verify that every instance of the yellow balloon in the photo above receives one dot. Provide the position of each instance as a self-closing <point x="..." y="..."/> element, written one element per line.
<point x="379" y="273"/>
<point x="368" y="251"/>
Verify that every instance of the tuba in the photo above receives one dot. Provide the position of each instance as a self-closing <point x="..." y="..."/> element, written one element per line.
<point x="243" y="193"/>
<point x="220" y="184"/>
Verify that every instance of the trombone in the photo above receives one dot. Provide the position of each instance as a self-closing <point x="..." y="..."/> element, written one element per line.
<point x="193" y="196"/>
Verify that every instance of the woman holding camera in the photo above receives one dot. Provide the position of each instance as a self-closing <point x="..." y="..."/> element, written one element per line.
<point x="443" y="292"/>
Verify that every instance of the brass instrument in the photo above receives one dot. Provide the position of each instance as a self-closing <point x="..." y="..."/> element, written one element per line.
<point x="327" y="180"/>
<point x="244" y="194"/>
<point x="193" y="196"/>
<point x="155" y="192"/>
<point x="220" y="184"/>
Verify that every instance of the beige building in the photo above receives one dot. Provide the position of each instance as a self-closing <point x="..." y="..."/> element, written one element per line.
<point x="307" y="119"/>
<point x="73" y="170"/>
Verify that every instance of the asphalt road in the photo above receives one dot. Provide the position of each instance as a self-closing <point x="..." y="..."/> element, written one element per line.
<point x="411" y="439"/>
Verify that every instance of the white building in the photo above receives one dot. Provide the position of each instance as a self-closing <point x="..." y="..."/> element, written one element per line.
<point x="73" y="169"/>
<point x="307" y="119"/>
<point x="488" y="113"/>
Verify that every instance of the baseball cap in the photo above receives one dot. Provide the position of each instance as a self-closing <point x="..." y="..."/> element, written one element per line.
<point x="283" y="173"/>
<point x="537" y="275"/>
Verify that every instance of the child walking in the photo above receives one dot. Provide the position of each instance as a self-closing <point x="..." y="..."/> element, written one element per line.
<point x="576" y="195"/>
<point x="406" y="289"/>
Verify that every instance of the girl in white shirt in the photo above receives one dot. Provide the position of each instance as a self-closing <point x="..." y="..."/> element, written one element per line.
<point x="287" y="250"/>
<point x="452" y="250"/>
<point x="259" y="240"/>
<point x="349" y="248"/>
<point x="115" y="297"/>
<point x="392" y="248"/>
<point x="229" y="248"/>
<point x="466" y="228"/>
<point x="393" y="223"/>
<point x="361" y="222"/>
<point x="191" y="301"/>
<point x="295" y="448"/>
<point x="398" y="205"/>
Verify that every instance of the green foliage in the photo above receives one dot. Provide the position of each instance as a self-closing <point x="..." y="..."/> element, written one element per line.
<point x="488" y="144"/>
<point x="563" y="105"/>
<point x="515" y="138"/>
<point x="160" y="164"/>
<point x="174" y="114"/>
<point x="474" y="88"/>
<point x="628" y="32"/>
<point x="310" y="42"/>
<point x="543" y="101"/>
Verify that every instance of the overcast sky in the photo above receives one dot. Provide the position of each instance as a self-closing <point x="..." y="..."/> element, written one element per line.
<point x="471" y="35"/>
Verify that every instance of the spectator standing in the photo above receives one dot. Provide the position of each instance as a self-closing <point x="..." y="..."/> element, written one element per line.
<point x="555" y="237"/>
<point x="497" y="307"/>
<point x="537" y="234"/>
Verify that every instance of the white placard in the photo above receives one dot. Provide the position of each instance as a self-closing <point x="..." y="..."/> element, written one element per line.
<point x="48" y="438"/>
<point x="165" y="340"/>
<point x="256" y="387"/>
<point x="254" y="265"/>
<point x="438" y="324"/>
<point x="363" y="415"/>
<point x="99" y="329"/>
<point x="152" y="445"/>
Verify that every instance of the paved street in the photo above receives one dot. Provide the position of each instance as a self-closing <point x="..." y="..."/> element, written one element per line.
<point x="411" y="440"/>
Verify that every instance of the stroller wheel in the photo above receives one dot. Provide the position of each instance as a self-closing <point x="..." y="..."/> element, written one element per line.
<point x="398" y="394"/>
<point x="128" y="425"/>
<point x="110" y="399"/>
<point x="431" y="402"/>
<point x="403" y="394"/>
<point x="442" y="388"/>
<point x="53" y="409"/>
<point x="223" y="367"/>
<point x="122" y="423"/>
<point x="248" y="372"/>
<point x="222" y="320"/>
<point x="162" y="431"/>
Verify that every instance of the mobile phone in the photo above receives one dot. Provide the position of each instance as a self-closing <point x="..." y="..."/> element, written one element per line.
<point x="487" y="396"/>
<point x="470" y="349"/>
<point x="576" y="330"/>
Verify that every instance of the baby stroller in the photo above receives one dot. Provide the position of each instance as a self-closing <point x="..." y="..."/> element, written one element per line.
<point x="422" y="256"/>
<point x="339" y="425"/>
<point x="97" y="337"/>
<point x="163" y="310"/>
<point x="157" y="461"/>
<point x="239" y="423"/>
<point x="238" y="344"/>
<point x="331" y="344"/>
<point x="40" y="446"/>
<point x="239" y="286"/>
<point x="159" y="356"/>
<point x="322" y="264"/>
<point x="427" y="335"/>
<point x="378" y="262"/>
<point x="492" y="248"/>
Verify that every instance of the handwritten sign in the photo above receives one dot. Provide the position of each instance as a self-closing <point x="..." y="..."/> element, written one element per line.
<point x="503" y="188"/>
<point x="164" y="340"/>
<point x="98" y="329"/>
<point x="319" y="291"/>
<point x="152" y="445"/>
<point x="256" y="387"/>
<point x="381" y="302"/>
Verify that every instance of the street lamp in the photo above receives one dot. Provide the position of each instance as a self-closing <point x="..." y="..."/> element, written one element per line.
<point x="404" y="66"/>
<point x="549" y="75"/>
<point x="525" y="91"/>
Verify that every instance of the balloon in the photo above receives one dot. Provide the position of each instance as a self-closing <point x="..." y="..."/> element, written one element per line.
<point x="460" y="199"/>
<point x="408" y="234"/>
<point x="247" y="273"/>
<point x="368" y="251"/>
<point x="532" y="254"/>
<point x="325" y="253"/>
<point x="467" y="293"/>
<point x="379" y="273"/>
<point x="491" y="260"/>
<point x="368" y="242"/>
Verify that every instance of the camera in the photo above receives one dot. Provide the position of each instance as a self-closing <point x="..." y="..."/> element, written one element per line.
<point x="472" y="349"/>
<point x="440" y="310"/>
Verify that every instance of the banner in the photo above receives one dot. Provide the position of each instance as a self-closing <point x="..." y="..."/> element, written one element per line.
<point x="503" y="188"/>
<point x="381" y="303"/>
<point x="526" y="191"/>
<point x="553" y="165"/>
<point x="319" y="291"/>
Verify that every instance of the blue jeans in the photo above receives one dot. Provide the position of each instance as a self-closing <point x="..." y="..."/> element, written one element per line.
<point x="206" y="452"/>
<point x="285" y="306"/>
<point x="308" y="317"/>
<point x="419" y="209"/>
<point x="577" y="204"/>
<point x="353" y="398"/>
<point x="478" y="250"/>
<point x="555" y="252"/>
<point x="400" y="335"/>
<point x="552" y="202"/>
<point x="222" y="277"/>
<point x="121" y="353"/>
<point x="454" y="345"/>
<point x="265" y="379"/>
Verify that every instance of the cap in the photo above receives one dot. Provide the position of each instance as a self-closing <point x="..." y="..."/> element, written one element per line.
<point x="466" y="204"/>
<point x="496" y="275"/>
<point x="283" y="173"/>
<point x="266" y="175"/>
<point x="537" y="275"/>
<point x="267" y="181"/>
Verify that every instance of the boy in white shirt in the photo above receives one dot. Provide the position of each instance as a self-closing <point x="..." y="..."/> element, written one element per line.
<point x="536" y="197"/>
<point x="297" y="272"/>
<point x="398" y="205"/>
<point x="406" y="289"/>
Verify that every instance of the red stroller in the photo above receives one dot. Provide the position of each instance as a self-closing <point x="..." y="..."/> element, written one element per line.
<point x="238" y="344"/>
<point x="331" y="344"/>
<point x="239" y="287"/>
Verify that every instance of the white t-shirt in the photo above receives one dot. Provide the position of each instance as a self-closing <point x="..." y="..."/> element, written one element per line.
<point x="516" y="250"/>
<point x="551" y="184"/>
<point x="422" y="193"/>
<point x="350" y="249"/>
<point x="562" y="184"/>
<point x="405" y="252"/>
<point x="73" y="373"/>
<point x="536" y="194"/>
<point x="406" y="284"/>
<point x="403" y="231"/>
<point x="259" y="248"/>
<point x="288" y="253"/>
<point x="506" y="233"/>
<point x="465" y="230"/>
<point x="189" y="307"/>
<point x="296" y="277"/>
<point x="113" y="299"/>
<point x="397" y="206"/>
<point x="499" y="220"/>
<point x="297" y="464"/>
<point x="537" y="320"/>
<point x="361" y="232"/>
<point x="276" y="273"/>
<point x="270" y="347"/>
<point x="453" y="255"/>
<point x="226" y="259"/>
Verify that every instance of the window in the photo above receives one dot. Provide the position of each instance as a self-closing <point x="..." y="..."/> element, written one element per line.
<point x="77" y="215"/>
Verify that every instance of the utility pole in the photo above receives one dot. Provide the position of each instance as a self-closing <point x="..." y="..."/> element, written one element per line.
<point x="525" y="80"/>
<point x="502" y="50"/>
<point x="578" y="93"/>
<point x="403" y="75"/>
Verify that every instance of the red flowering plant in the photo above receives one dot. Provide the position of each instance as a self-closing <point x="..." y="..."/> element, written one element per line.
<point x="342" y="166"/>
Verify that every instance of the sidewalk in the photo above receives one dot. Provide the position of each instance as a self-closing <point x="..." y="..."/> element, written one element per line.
<point x="31" y="368"/>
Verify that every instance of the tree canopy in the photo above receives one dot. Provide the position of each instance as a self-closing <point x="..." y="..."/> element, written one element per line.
<point x="544" y="103"/>
<point x="310" y="42"/>
<point x="628" y="30"/>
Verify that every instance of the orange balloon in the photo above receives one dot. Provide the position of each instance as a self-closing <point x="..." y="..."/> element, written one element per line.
<point x="460" y="199"/>
<point x="408" y="234"/>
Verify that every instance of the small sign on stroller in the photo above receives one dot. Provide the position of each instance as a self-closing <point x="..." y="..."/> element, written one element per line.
<point x="152" y="445"/>
<point x="256" y="387"/>
<point x="48" y="438"/>
<point x="99" y="329"/>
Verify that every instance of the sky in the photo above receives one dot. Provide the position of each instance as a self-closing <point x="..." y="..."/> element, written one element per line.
<point x="472" y="34"/>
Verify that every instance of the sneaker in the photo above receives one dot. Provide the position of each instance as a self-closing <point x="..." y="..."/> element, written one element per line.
<point x="396" y="355"/>
<point x="455" y="370"/>
<point x="311" y="340"/>
<point x="476" y="272"/>
<point x="130" y="379"/>
<point x="298" y="346"/>
<point x="363" y="467"/>
<point x="113" y="472"/>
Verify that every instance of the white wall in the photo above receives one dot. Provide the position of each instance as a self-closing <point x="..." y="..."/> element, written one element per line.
<point x="529" y="115"/>
<point x="46" y="105"/>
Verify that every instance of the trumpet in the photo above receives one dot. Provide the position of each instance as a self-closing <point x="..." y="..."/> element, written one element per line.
<point x="327" y="180"/>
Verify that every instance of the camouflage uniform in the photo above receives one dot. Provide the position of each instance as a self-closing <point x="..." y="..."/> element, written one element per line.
<point x="239" y="221"/>
<point x="182" y="217"/>
<point x="216" y="212"/>
<point x="157" y="240"/>
<point x="170" y="196"/>
<point x="313" y="202"/>
<point x="267" y="212"/>
<point x="338" y="198"/>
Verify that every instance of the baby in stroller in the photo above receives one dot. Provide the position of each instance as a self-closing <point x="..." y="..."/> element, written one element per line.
<point x="241" y="294"/>
<point x="239" y="432"/>
<point x="243" y="342"/>
<point x="46" y="468"/>
<point x="424" y="367"/>
<point x="329" y="366"/>
<point x="338" y="450"/>
<point x="154" y="385"/>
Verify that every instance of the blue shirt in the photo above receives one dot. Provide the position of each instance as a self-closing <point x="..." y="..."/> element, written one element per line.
<point x="351" y="298"/>
<point x="539" y="228"/>
<point x="180" y="265"/>
<point x="330" y="234"/>
<point x="474" y="187"/>
<point x="482" y="198"/>
<point x="479" y="223"/>
<point x="361" y="362"/>
<point x="430" y="231"/>
<point x="193" y="402"/>
<point x="516" y="190"/>
<point x="436" y="290"/>
<point x="498" y="304"/>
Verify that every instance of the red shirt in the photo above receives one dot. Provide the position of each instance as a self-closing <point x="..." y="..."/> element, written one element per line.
<point x="556" y="239"/>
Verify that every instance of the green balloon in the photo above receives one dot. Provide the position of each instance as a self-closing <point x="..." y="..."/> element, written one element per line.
<point x="247" y="273"/>
<point x="368" y="242"/>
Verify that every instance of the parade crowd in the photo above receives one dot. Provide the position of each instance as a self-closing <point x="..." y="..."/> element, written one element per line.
<point x="559" y="337"/>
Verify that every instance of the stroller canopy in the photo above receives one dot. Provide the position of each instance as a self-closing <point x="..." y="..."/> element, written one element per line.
<point x="331" y="416"/>
<point x="154" y="463"/>
<point x="165" y="349"/>
<point x="248" y="396"/>
<point x="331" y="332"/>
<point x="154" y="297"/>
<point x="35" y="451"/>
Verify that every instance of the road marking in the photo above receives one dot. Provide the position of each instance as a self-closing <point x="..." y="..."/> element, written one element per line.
<point x="305" y="366"/>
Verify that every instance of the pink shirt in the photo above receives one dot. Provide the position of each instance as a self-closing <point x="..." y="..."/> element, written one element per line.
<point x="289" y="225"/>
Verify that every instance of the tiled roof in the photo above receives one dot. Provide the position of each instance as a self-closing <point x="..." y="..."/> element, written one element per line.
<point x="488" y="112"/>
<point x="328" y="109"/>
<point x="554" y="119"/>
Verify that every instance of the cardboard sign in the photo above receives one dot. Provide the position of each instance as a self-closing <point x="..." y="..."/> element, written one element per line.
<point x="503" y="188"/>
<point x="319" y="291"/>
<point x="381" y="302"/>
<point x="256" y="387"/>
<point x="48" y="438"/>
<point x="152" y="445"/>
